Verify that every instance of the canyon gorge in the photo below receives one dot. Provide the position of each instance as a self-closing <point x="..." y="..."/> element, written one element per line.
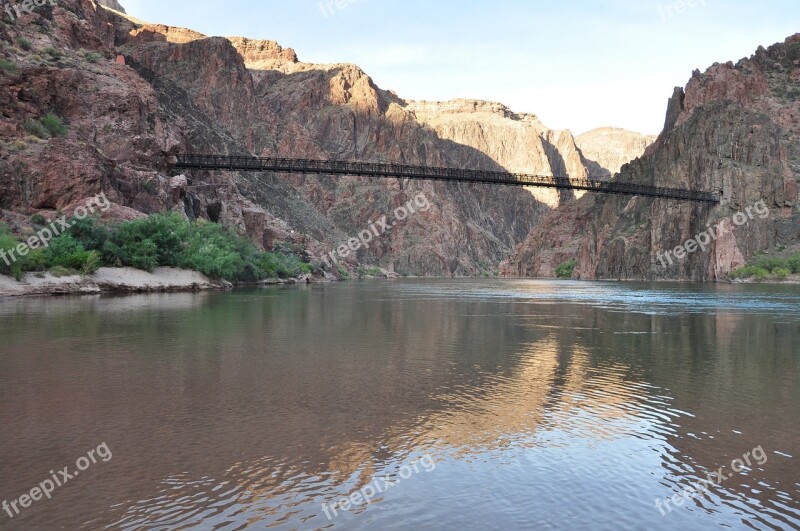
<point x="133" y="94"/>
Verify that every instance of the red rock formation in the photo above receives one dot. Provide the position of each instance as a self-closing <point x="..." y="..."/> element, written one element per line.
<point x="734" y="130"/>
<point x="180" y="91"/>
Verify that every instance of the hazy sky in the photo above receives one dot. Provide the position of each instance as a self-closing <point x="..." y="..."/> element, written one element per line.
<point x="576" y="64"/>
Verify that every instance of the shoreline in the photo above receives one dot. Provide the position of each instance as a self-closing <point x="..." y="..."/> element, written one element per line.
<point x="126" y="280"/>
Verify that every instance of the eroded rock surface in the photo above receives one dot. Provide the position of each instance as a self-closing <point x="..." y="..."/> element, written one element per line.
<point x="735" y="130"/>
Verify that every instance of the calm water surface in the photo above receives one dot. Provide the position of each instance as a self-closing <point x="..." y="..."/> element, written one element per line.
<point x="473" y="404"/>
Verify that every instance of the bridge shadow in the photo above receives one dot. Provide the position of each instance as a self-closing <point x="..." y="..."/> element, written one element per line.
<point x="558" y="166"/>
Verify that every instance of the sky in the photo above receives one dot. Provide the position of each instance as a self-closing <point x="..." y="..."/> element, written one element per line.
<point x="575" y="64"/>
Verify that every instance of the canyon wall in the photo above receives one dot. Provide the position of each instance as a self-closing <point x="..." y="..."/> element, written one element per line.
<point x="607" y="149"/>
<point x="733" y="130"/>
<point x="175" y="90"/>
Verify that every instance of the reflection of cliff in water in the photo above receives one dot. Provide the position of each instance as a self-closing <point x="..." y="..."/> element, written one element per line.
<point x="281" y="395"/>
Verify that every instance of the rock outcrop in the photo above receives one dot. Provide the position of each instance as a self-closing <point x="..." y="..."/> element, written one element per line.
<point x="735" y="130"/>
<point x="607" y="149"/>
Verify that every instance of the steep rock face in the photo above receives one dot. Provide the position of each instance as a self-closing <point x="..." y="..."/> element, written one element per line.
<point x="114" y="134"/>
<point x="336" y="111"/>
<point x="264" y="55"/>
<point x="182" y="92"/>
<point x="279" y="106"/>
<point x="607" y="149"/>
<point x="517" y="142"/>
<point x="733" y="130"/>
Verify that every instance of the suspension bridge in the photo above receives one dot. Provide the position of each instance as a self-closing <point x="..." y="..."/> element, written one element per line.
<point x="405" y="171"/>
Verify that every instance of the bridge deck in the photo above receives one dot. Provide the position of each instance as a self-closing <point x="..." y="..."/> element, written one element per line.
<point x="403" y="171"/>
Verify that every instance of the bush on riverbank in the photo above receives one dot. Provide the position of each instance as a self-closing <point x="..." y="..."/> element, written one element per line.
<point x="159" y="241"/>
<point x="566" y="269"/>
<point x="769" y="267"/>
<point x="7" y="243"/>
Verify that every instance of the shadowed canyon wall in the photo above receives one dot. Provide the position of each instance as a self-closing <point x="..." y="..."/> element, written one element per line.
<point x="733" y="130"/>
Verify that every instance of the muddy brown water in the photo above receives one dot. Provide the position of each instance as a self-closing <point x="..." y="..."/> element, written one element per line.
<point x="462" y="404"/>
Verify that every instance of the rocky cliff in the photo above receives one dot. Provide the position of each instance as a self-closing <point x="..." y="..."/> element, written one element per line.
<point x="179" y="91"/>
<point x="175" y="90"/>
<point x="518" y="142"/>
<point x="607" y="149"/>
<point x="732" y="130"/>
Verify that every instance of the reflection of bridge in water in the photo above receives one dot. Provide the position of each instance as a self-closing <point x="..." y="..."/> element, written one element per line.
<point x="404" y="171"/>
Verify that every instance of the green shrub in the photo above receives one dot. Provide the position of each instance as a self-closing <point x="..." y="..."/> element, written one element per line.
<point x="53" y="125"/>
<point x="770" y="264"/>
<point x="53" y="53"/>
<point x="92" y="236"/>
<point x="279" y="265"/>
<point x="36" y="260"/>
<point x="172" y="241"/>
<point x="93" y="57"/>
<point x="760" y="273"/>
<point x="793" y="264"/>
<point x="566" y="269"/>
<point x="363" y="271"/>
<point x="24" y="43"/>
<point x="781" y="273"/>
<point x="7" y="243"/>
<point x="91" y="262"/>
<point x="763" y="267"/>
<point x="216" y="260"/>
<point x="38" y="219"/>
<point x="141" y="254"/>
<point x="219" y="253"/>
<point x="45" y="127"/>
<point x="67" y="252"/>
<point x="7" y="66"/>
<point x="749" y="271"/>
<point x="35" y="128"/>
<point x="146" y="243"/>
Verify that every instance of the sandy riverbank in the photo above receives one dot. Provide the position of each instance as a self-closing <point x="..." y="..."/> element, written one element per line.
<point x="110" y="280"/>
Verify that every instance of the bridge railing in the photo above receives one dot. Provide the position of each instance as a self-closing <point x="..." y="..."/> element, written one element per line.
<point x="395" y="170"/>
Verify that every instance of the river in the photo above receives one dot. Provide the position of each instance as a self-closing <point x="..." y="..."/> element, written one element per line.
<point x="450" y="404"/>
